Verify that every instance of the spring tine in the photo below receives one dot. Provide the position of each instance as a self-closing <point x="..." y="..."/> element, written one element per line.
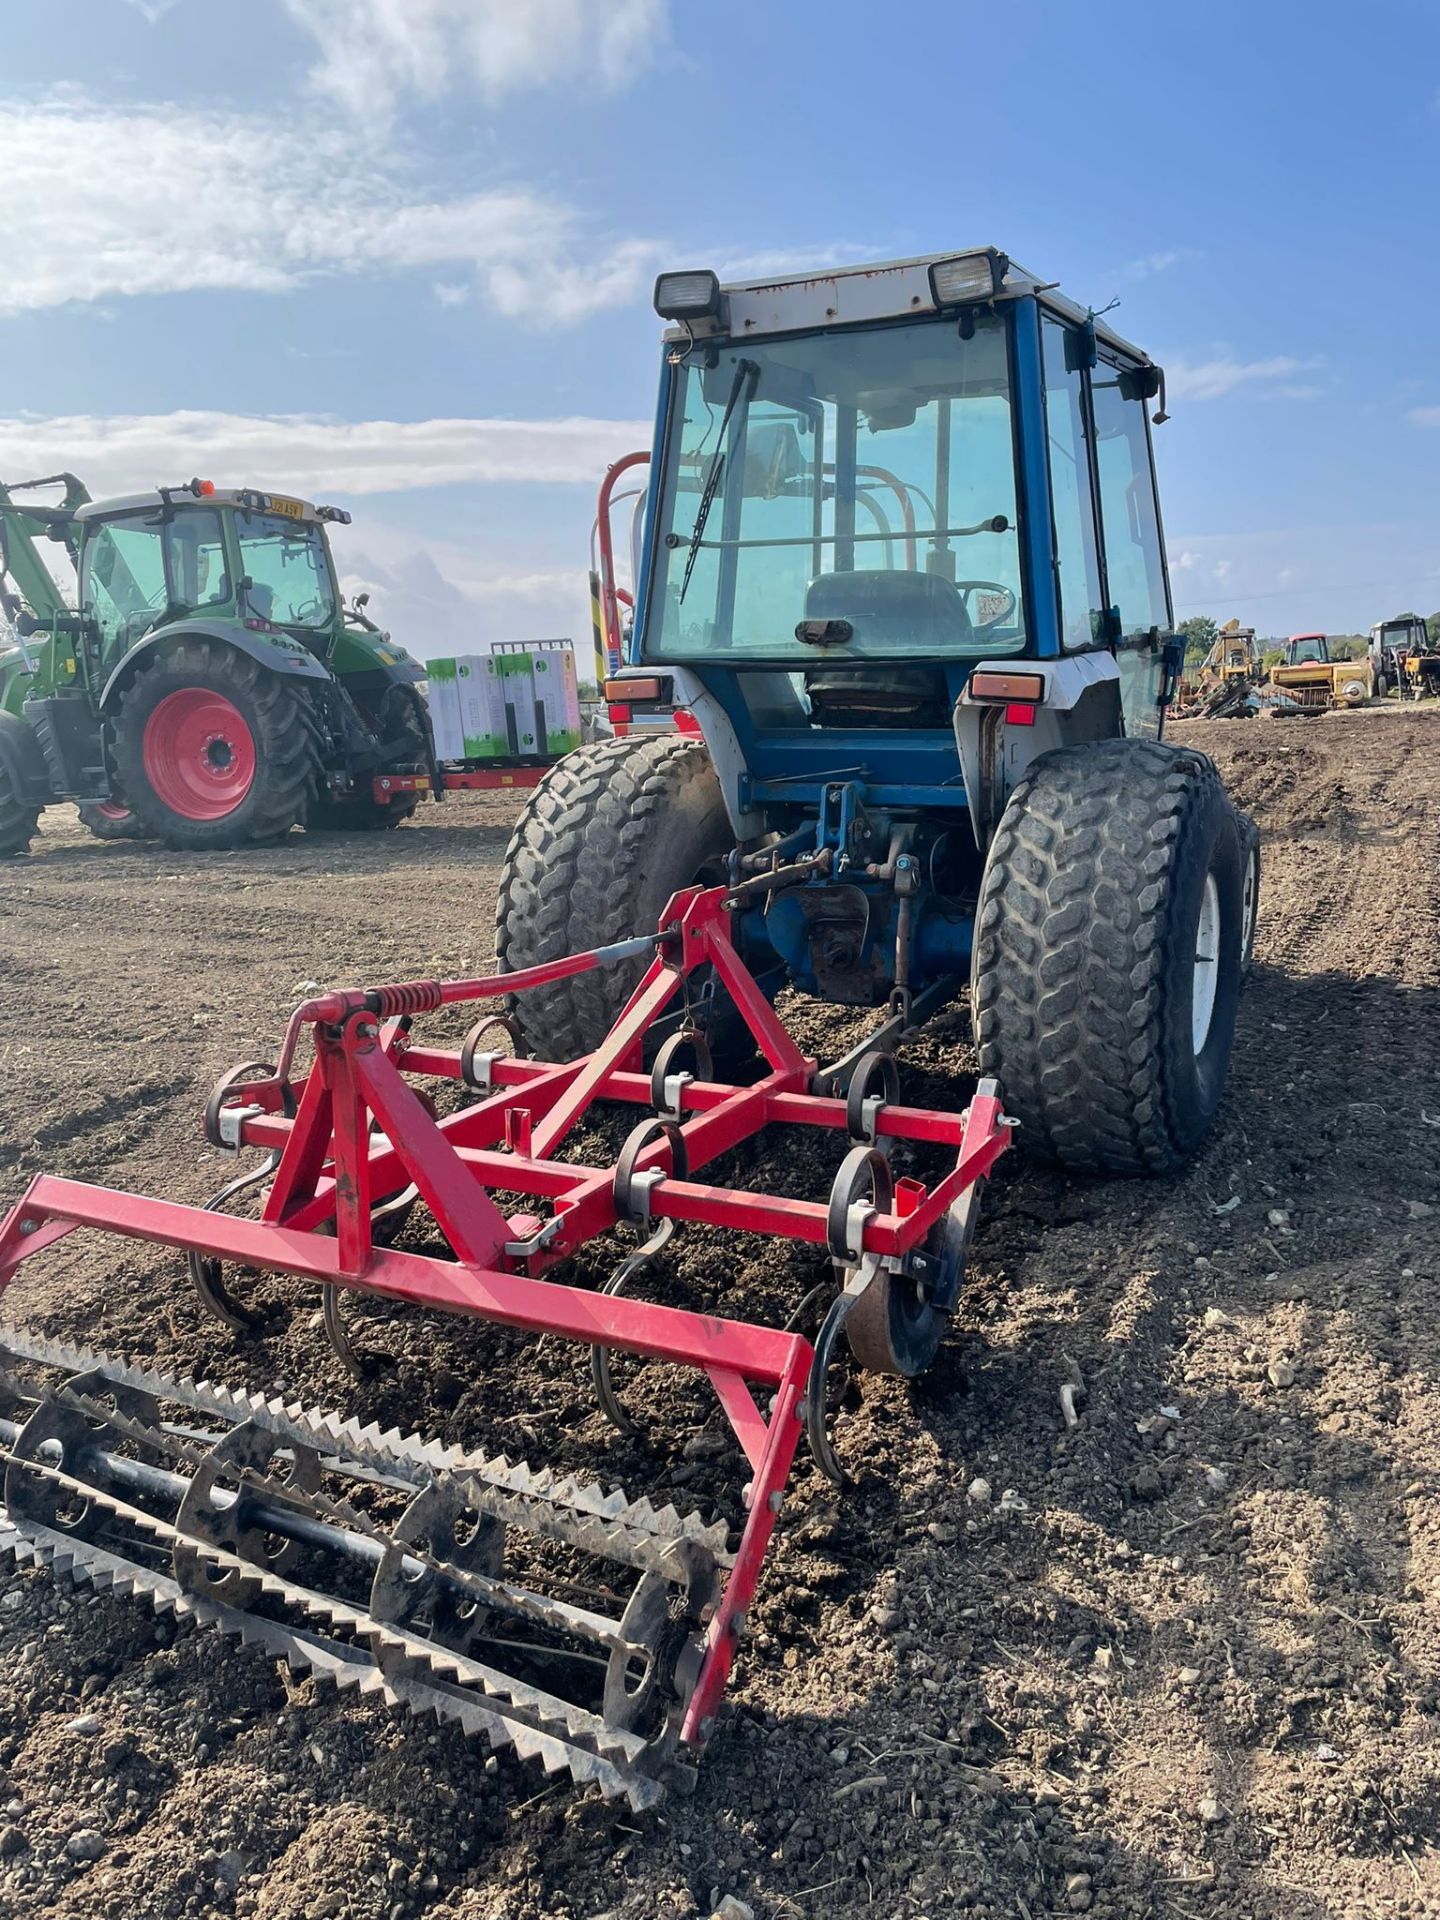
<point x="339" y="1338"/>
<point x="205" y="1274"/>
<point x="600" y="1372"/>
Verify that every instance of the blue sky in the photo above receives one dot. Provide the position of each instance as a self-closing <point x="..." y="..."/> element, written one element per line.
<point x="398" y="253"/>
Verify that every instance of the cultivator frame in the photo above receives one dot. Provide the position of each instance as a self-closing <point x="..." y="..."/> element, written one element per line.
<point x="356" y="1133"/>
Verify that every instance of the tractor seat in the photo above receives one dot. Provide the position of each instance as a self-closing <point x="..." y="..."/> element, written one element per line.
<point x="907" y="613"/>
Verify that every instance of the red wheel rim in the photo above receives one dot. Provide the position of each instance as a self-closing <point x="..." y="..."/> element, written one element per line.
<point x="199" y="754"/>
<point x="110" y="810"/>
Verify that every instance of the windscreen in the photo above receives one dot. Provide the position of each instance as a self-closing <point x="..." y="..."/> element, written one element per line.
<point x="861" y="482"/>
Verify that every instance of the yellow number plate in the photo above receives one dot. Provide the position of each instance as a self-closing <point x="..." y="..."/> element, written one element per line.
<point x="292" y="509"/>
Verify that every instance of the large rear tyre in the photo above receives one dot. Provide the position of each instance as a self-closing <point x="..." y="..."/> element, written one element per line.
<point x="21" y="770"/>
<point x="213" y="750"/>
<point x="1108" y="951"/>
<point x="611" y="832"/>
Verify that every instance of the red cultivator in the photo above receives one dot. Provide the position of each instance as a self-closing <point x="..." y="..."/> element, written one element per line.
<point x="426" y="1606"/>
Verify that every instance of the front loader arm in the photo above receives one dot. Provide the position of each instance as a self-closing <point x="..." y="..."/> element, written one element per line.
<point x="21" y="563"/>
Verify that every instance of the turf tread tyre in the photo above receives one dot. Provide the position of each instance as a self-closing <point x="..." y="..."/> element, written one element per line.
<point x="273" y="706"/>
<point x="1081" y="975"/>
<point x="608" y="835"/>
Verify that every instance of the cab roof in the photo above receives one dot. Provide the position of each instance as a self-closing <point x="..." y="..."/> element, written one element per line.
<point x="874" y="290"/>
<point x="254" y="499"/>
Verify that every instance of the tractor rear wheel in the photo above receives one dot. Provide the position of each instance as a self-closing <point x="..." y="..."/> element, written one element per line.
<point x="109" y="819"/>
<point x="611" y="832"/>
<point x="19" y="813"/>
<point x="213" y="750"/>
<point x="1108" y="954"/>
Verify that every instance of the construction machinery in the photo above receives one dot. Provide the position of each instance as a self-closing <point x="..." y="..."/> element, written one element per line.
<point x="1315" y="682"/>
<point x="902" y="589"/>
<point x="210" y="687"/>
<point x="1404" y="657"/>
<point x="1225" y="680"/>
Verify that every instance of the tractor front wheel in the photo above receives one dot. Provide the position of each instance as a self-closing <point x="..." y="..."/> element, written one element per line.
<point x="20" y="769"/>
<point x="610" y="833"/>
<point x="109" y="819"/>
<point x="1109" y="947"/>
<point x="213" y="749"/>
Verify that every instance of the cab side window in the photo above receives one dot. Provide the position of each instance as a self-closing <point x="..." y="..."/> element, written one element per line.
<point x="1134" y="562"/>
<point x="1072" y="502"/>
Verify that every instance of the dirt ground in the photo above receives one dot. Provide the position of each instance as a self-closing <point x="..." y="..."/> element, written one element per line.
<point x="1181" y="1663"/>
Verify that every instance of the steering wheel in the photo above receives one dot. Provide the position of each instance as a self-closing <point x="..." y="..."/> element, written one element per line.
<point x="966" y="587"/>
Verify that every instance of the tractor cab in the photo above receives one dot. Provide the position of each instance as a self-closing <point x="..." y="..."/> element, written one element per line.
<point x="261" y="559"/>
<point x="869" y="486"/>
<point x="1301" y="649"/>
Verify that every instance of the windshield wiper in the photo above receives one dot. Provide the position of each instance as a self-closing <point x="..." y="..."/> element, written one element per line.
<point x="746" y="373"/>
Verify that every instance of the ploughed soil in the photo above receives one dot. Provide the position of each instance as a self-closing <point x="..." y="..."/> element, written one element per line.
<point x="1182" y="1658"/>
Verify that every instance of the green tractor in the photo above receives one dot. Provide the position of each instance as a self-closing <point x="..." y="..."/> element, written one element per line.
<point x="210" y="688"/>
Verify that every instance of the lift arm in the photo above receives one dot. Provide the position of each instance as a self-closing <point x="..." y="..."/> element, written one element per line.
<point x="23" y="571"/>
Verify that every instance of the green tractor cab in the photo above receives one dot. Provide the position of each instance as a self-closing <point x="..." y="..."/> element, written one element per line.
<point x="209" y="687"/>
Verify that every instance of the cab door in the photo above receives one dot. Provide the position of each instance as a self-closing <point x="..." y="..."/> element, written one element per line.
<point x="1136" y="585"/>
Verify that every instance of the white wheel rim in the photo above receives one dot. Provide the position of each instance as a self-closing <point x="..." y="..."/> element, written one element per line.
<point x="1247" y="913"/>
<point x="1206" y="976"/>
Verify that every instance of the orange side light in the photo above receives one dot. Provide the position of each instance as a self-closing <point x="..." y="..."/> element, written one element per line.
<point x="206" y="487"/>
<point x="632" y="689"/>
<point x="1007" y="686"/>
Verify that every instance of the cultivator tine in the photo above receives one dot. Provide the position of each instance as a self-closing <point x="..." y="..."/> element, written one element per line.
<point x="205" y="1274"/>
<point x="618" y="1283"/>
<point x="191" y="1521"/>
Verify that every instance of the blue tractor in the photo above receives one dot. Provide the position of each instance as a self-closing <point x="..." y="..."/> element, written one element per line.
<point x="904" y="587"/>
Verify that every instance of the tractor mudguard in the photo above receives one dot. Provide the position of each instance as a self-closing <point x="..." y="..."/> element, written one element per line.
<point x="278" y="652"/>
<point x="1081" y="702"/>
<point x="23" y="761"/>
<point x="375" y="658"/>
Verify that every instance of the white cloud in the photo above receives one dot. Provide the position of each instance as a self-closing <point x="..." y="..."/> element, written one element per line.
<point x="1152" y="263"/>
<point x="1324" y="579"/>
<point x="1214" y="379"/>
<point x="448" y="294"/>
<point x="312" y="455"/>
<point x="1424" y="416"/>
<point x="104" y="201"/>
<point x="375" y="53"/>
<point x="440" y="597"/>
